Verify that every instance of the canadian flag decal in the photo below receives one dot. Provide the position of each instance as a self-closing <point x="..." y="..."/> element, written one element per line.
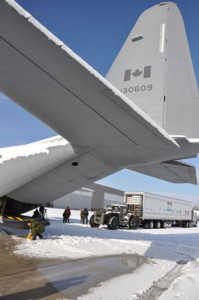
<point x="145" y="73"/>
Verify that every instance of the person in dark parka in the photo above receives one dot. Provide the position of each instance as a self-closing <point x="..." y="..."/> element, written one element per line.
<point x="66" y="215"/>
<point x="85" y="215"/>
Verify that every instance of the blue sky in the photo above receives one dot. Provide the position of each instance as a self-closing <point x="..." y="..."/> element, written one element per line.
<point x="96" y="30"/>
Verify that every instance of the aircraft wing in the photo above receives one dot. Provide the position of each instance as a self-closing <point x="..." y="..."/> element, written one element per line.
<point x="172" y="171"/>
<point x="47" y="79"/>
<point x="106" y="130"/>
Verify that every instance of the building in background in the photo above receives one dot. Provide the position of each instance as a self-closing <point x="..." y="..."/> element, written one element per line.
<point x="92" y="197"/>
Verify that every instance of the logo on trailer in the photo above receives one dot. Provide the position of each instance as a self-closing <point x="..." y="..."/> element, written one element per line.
<point x="169" y="206"/>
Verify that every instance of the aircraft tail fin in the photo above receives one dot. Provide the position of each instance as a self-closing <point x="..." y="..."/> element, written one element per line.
<point x="154" y="69"/>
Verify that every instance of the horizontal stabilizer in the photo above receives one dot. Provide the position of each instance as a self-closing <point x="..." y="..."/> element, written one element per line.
<point x="172" y="171"/>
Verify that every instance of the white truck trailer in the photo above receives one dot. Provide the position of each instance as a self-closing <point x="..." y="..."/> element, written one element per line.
<point x="155" y="211"/>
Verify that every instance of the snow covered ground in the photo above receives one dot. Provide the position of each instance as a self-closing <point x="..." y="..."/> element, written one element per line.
<point x="162" y="276"/>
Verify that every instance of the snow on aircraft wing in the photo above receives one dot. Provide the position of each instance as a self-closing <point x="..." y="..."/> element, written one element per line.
<point x="172" y="171"/>
<point x="106" y="130"/>
<point x="47" y="79"/>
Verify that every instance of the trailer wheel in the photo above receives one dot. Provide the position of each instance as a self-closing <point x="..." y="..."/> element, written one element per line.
<point x="113" y="223"/>
<point x="186" y="224"/>
<point x="92" y="223"/>
<point x="163" y="224"/>
<point x="157" y="224"/>
<point x="151" y="224"/>
<point x="133" y="223"/>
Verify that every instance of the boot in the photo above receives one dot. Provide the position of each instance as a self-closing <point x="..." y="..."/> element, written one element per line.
<point x="40" y="236"/>
<point x="34" y="237"/>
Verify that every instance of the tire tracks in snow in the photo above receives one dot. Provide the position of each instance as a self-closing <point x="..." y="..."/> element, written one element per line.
<point x="161" y="285"/>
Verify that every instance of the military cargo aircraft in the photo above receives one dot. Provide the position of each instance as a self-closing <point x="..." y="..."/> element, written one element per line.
<point x="143" y="116"/>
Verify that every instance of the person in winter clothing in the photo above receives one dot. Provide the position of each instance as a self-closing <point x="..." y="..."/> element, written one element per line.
<point x="2" y="206"/>
<point x="64" y="218"/>
<point x="66" y="215"/>
<point x="36" y="214"/>
<point x="41" y="211"/>
<point x="81" y="215"/>
<point x="85" y="215"/>
<point x="36" y="228"/>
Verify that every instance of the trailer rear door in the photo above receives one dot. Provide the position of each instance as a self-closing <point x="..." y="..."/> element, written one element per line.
<point x="135" y="204"/>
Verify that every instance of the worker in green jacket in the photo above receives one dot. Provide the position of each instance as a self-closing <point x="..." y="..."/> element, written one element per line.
<point x="36" y="228"/>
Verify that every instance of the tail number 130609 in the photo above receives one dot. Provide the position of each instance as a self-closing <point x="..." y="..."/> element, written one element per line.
<point x="137" y="88"/>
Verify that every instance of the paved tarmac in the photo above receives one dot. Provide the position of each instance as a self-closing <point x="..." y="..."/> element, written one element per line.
<point x="75" y="278"/>
<point x="26" y="278"/>
<point x="20" y="278"/>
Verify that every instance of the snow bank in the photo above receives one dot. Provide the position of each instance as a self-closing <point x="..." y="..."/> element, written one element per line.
<point x="164" y="246"/>
<point x="75" y="240"/>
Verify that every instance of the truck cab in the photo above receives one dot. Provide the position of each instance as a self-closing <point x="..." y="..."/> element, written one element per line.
<point x="114" y="216"/>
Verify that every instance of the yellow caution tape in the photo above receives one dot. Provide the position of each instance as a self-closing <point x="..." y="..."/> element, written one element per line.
<point x="19" y="219"/>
